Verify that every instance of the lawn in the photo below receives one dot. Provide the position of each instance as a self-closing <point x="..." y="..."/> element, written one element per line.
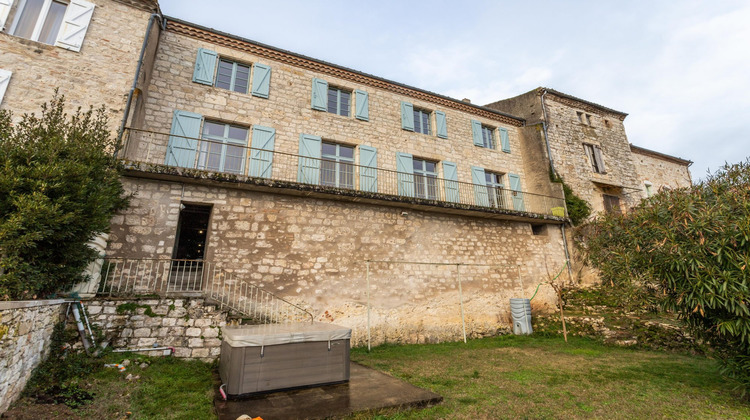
<point x="500" y="377"/>
<point x="543" y="377"/>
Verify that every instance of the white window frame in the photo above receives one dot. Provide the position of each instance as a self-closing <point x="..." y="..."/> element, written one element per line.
<point x="39" y="21"/>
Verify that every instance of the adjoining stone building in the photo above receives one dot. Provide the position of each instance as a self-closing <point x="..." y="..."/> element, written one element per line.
<point x="585" y="143"/>
<point x="314" y="181"/>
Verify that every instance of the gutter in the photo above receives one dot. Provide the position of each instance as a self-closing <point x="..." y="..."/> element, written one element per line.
<point x="129" y="101"/>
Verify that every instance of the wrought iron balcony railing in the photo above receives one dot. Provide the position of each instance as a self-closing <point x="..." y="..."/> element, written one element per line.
<point x="336" y="174"/>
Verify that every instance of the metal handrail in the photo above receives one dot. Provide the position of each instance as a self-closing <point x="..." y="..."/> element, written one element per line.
<point x="125" y="277"/>
<point x="347" y="176"/>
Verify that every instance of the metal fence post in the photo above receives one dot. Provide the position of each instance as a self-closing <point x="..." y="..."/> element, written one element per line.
<point x="461" y="299"/>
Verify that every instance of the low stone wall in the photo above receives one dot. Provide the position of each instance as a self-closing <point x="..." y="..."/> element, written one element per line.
<point x="25" y="333"/>
<point x="192" y="328"/>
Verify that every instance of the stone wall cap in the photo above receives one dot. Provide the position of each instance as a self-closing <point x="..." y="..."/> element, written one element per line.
<point x="659" y="155"/>
<point x="20" y="304"/>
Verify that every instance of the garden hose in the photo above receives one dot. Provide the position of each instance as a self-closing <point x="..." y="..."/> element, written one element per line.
<point x="558" y="275"/>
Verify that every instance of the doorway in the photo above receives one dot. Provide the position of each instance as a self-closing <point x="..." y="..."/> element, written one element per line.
<point x="190" y="248"/>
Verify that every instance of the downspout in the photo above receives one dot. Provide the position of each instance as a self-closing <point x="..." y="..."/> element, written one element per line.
<point x="544" y="128"/>
<point x="554" y="172"/>
<point x="129" y="101"/>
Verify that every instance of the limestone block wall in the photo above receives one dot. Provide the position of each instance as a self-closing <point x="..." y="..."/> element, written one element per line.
<point x="100" y="74"/>
<point x="25" y="333"/>
<point x="313" y="252"/>
<point x="288" y="110"/>
<point x="660" y="172"/>
<point x="192" y="328"/>
<point x="567" y="135"/>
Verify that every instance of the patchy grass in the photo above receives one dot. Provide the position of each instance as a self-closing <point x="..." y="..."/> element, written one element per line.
<point x="168" y="388"/>
<point x="543" y="377"/>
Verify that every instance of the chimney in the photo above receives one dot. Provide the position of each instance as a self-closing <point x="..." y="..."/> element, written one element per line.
<point x="467" y="100"/>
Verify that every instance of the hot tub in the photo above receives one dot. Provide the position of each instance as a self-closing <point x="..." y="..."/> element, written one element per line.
<point x="261" y="358"/>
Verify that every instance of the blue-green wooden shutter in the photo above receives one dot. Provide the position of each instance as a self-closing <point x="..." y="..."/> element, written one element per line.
<point x="480" y="187"/>
<point x="261" y="153"/>
<point x="261" y="80"/>
<point x="407" y="116"/>
<point x="405" y="168"/>
<point x="516" y="194"/>
<point x="319" y="94"/>
<point x="476" y="132"/>
<point x="309" y="159"/>
<point x="362" y="108"/>
<point x="504" y="140"/>
<point x="186" y="129"/>
<point x="450" y="175"/>
<point x="205" y="63"/>
<point x="442" y="126"/>
<point x="368" y="166"/>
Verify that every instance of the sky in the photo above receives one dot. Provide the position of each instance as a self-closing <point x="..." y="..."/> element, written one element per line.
<point x="680" y="69"/>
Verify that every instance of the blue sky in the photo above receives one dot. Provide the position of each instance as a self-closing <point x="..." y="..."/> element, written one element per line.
<point x="681" y="69"/>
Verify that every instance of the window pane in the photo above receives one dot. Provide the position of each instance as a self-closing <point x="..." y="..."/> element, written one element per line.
<point x="241" y="78"/>
<point x="417" y="122"/>
<point x="237" y="133"/>
<point x="213" y="129"/>
<point x="345" y="96"/>
<point x="426" y="123"/>
<point x="224" y="74"/>
<point x="234" y="159"/>
<point x="329" y="149"/>
<point x="346" y="175"/>
<point x="333" y="100"/>
<point x="430" y="167"/>
<point x="328" y="172"/>
<point x="52" y="23"/>
<point x="29" y="16"/>
<point x="419" y="184"/>
<point x="346" y="152"/>
<point x="418" y="164"/>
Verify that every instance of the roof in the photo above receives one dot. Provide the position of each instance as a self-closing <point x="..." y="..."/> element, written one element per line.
<point x="583" y="101"/>
<point x="236" y="42"/>
<point x="653" y="153"/>
<point x="147" y="5"/>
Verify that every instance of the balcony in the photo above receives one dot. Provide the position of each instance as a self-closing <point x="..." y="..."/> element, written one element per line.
<point x="266" y="170"/>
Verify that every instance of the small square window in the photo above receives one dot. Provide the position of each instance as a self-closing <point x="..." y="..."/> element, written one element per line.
<point x="339" y="101"/>
<point x="588" y="119"/>
<point x="612" y="204"/>
<point x="232" y="76"/>
<point x="488" y="137"/>
<point x="421" y="121"/>
<point x="580" y="116"/>
<point x="594" y="155"/>
<point x="606" y="123"/>
<point x="539" y="230"/>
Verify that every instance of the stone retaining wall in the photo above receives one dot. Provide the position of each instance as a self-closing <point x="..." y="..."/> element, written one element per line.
<point x="25" y="332"/>
<point x="192" y="328"/>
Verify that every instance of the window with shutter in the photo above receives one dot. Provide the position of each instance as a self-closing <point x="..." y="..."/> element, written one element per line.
<point x="337" y="165"/>
<point x="183" y="139"/>
<point x="75" y="23"/>
<point x="232" y="76"/>
<point x="319" y="99"/>
<point x="405" y="176"/>
<point x="205" y="64"/>
<point x="516" y="193"/>
<point x="407" y="116"/>
<point x="450" y="175"/>
<point x="480" y="187"/>
<point x="5" y="6"/>
<point x="504" y="140"/>
<point x="261" y="152"/>
<point x="362" y="108"/>
<point x="52" y="22"/>
<point x="422" y="121"/>
<point x="339" y="101"/>
<point x="309" y="159"/>
<point x="368" y="175"/>
<point x="261" y="80"/>
<point x="442" y="126"/>
<point x="222" y="147"/>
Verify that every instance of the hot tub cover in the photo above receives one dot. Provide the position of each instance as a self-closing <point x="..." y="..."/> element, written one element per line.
<point x="272" y="334"/>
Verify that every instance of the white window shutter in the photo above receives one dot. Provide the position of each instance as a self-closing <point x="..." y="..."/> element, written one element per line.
<point x="75" y="24"/>
<point x="5" y="6"/>
<point x="4" y="81"/>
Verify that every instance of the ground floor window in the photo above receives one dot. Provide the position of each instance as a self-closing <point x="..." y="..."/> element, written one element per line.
<point x="612" y="204"/>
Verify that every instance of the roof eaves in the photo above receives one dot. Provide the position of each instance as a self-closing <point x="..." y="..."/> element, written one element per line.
<point x="654" y="153"/>
<point x="589" y="103"/>
<point x="325" y="63"/>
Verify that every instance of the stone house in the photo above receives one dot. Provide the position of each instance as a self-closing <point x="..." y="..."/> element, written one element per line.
<point x="360" y="199"/>
<point x="585" y="143"/>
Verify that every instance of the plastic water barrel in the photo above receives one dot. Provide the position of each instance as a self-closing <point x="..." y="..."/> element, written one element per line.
<point x="520" y="310"/>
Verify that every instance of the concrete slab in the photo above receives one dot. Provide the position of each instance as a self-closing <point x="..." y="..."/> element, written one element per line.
<point x="367" y="389"/>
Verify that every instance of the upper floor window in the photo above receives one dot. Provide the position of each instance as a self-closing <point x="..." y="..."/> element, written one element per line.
<point x="425" y="178"/>
<point x="339" y="101"/>
<point x="422" y="121"/>
<point x="594" y="155"/>
<point x="488" y="137"/>
<point x="233" y="76"/>
<point x="337" y="165"/>
<point x="40" y="20"/>
<point x="224" y="147"/>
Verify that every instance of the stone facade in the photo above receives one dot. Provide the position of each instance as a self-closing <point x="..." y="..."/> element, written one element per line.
<point x="657" y="171"/>
<point x="101" y="73"/>
<point x="25" y="333"/>
<point x="571" y="125"/>
<point x="190" y="326"/>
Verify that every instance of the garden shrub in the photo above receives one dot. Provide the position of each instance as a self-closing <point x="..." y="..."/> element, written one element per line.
<point x="688" y="251"/>
<point x="59" y="187"/>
